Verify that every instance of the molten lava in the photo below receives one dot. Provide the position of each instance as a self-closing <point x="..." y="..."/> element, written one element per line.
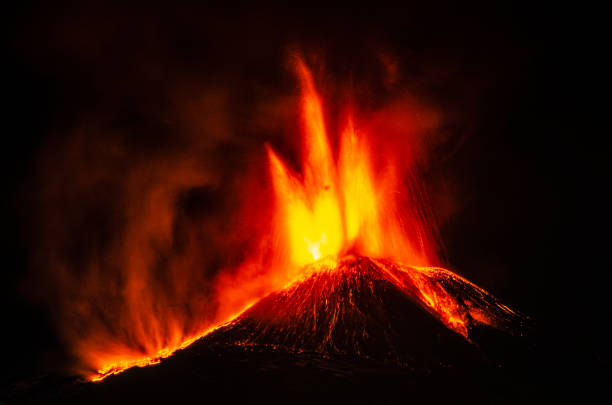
<point x="339" y="205"/>
<point x="347" y="227"/>
<point x="365" y="307"/>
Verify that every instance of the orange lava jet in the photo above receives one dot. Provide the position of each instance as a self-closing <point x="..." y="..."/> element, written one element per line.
<point x="340" y="205"/>
<point x="351" y="204"/>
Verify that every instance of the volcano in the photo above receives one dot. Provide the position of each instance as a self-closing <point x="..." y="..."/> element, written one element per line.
<point x="400" y="328"/>
<point x="346" y="266"/>
<point x="374" y="309"/>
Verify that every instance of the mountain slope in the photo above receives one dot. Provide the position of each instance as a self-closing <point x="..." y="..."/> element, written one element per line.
<point x="374" y="309"/>
<point x="358" y="330"/>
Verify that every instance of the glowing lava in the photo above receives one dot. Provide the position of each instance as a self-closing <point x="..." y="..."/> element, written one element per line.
<point x="349" y="211"/>
<point x="340" y="205"/>
<point x="139" y="361"/>
<point x="370" y="308"/>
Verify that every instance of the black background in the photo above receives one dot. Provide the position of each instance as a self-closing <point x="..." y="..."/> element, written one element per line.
<point x="531" y="231"/>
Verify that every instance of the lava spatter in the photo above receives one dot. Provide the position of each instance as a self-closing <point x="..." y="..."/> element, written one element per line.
<point x="356" y="269"/>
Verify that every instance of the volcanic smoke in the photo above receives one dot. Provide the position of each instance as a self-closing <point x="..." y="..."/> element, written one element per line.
<point x="351" y="231"/>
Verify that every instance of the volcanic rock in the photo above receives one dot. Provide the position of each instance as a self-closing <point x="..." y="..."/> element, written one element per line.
<point x="377" y="310"/>
<point x="356" y="330"/>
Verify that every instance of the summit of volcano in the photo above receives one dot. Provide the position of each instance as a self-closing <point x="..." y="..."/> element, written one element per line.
<point x="375" y="309"/>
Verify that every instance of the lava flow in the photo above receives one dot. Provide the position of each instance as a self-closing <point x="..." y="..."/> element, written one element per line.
<point x="372" y="308"/>
<point x="349" y="226"/>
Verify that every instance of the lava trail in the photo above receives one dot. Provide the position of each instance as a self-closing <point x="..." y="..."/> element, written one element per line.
<point x="353" y="266"/>
<point x="358" y="306"/>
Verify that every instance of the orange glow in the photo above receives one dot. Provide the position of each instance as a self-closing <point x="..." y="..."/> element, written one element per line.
<point x="333" y="206"/>
<point x="138" y="361"/>
<point x="343" y="207"/>
<point x="336" y="205"/>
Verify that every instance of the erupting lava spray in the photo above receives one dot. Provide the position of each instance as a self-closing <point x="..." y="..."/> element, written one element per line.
<point x="344" y="204"/>
<point x="361" y="208"/>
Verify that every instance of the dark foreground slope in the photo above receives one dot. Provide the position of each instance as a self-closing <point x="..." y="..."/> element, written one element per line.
<point x="359" y="331"/>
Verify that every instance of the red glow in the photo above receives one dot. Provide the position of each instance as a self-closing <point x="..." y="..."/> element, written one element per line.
<point x="341" y="205"/>
<point x="355" y="201"/>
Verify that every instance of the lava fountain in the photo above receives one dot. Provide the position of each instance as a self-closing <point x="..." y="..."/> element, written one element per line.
<point x="340" y="205"/>
<point x="349" y="224"/>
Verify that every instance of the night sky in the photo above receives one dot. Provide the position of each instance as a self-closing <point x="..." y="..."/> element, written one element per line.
<point x="511" y="83"/>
